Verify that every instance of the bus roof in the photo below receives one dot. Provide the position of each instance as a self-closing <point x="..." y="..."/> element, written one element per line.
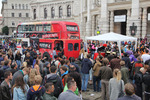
<point x="48" y="22"/>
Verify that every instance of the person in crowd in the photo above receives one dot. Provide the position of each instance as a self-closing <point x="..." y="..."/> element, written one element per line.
<point x="19" y="73"/>
<point x="145" y="56"/>
<point x="64" y="74"/>
<point x="81" y="54"/>
<point x="28" y="58"/>
<point x="33" y="73"/>
<point x="13" y="68"/>
<point x="49" y="89"/>
<point x="138" y="77"/>
<point x="76" y="76"/>
<point x="56" y="62"/>
<point x="129" y="91"/>
<point x="1" y="57"/>
<point x="66" y="88"/>
<point x="127" y="60"/>
<point x="53" y="77"/>
<point x="69" y="94"/>
<point x="116" y="85"/>
<point x="6" y="86"/>
<point x="23" y="50"/>
<point x="124" y="72"/>
<point x="137" y="65"/>
<point x="37" y="90"/>
<point x="132" y="57"/>
<point x="105" y="74"/>
<point x="46" y="68"/>
<point x="40" y="64"/>
<point x="73" y="63"/>
<point x="67" y="64"/>
<point x="18" y="59"/>
<point x="115" y="63"/>
<point x="54" y="52"/>
<point x="146" y="81"/>
<point x="20" y="89"/>
<point x="10" y="55"/>
<point x="96" y="70"/>
<point x="85" y="68"/>
<point x="5" y="57"/>
<point x="6" y="66"/>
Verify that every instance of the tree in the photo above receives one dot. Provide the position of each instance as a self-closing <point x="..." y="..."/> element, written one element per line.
<point x="5" y="30"/>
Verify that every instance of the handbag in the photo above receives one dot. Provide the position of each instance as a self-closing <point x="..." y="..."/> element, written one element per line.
<point x="121" y="93"/>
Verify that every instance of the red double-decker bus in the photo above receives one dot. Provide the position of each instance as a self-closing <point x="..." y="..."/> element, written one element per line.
<point x="44" y="36"/>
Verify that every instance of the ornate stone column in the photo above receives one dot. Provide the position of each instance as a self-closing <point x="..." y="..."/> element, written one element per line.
<point x="111" y="21"/>
<point x="144" y="22"/>
<point x="103" y="24"/>
<point x="128" y="25"/>
<point x="88" y="25"/>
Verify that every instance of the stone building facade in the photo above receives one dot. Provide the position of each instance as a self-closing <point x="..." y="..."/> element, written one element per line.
<point x="127" y="17"/>
<point x="15" y="12"/>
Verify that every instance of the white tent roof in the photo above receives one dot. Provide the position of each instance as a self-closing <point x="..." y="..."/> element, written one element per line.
<point x="111" y="37"/>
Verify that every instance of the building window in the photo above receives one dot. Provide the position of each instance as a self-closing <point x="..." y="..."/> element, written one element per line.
<point x="68" y="11"/>
<point x="12" y="6"/>
<point x="26" y="6"/>
<point x="34" y="13"/>
<point x="20" y="15"/>
<point x="19" y="6"/>
<point x="60" y="12"/>
<point x="27" y="15"/>
<point x="12" y="14"/>
<point x="52" y="12"/>
<point x="45" y="13"/>
<point x="22" y="6"/>
<point x="15" y="6"/>
<point x="13" y="23"/>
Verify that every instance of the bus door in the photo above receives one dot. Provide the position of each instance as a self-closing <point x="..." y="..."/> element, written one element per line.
<point x="22" y="42"/>
<point x="59" y="46"/>
<point x="72" y="48"/>
<point x="46" y="48"/>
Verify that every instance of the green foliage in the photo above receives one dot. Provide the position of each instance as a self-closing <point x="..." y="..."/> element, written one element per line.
<point x="5" y="30"/>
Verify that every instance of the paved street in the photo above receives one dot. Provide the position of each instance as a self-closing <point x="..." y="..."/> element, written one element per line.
<point x="91" y="95"/>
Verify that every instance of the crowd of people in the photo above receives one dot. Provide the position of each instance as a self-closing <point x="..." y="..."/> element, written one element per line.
<point x="29" y="76"/>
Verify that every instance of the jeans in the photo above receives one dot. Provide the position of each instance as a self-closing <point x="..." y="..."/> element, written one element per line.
<point x="96" y="79"/>
<point x="85" y="78"/>
<point x="18" y="64"/>
<point x="91" y="71"/>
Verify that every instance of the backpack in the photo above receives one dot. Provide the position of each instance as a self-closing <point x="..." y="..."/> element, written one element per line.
<point x="57" y="86"/>
<point x="37" y="96"/>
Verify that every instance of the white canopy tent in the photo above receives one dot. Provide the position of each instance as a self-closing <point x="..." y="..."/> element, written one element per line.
<point x="113" y="37"/>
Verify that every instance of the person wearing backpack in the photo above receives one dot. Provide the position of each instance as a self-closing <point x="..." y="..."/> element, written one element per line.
<point x="37" y="91"/>
<point x="55" y="79"/>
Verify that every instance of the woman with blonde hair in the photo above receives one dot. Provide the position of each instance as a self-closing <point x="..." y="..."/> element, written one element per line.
<point x="18" y="59"/>
<point x="116" y="85"/>
<point x="33" y="73"/>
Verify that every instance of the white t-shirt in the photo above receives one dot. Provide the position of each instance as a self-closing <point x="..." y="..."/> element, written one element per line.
<point x="145" y="57"/>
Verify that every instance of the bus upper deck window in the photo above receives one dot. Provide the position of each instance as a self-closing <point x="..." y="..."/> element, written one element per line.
<point x="70" y="47"/>
<point x="47" y="27"/>
<point x="31" y="27"/>
<point x="76" y="46"/>
<point x="39" y="28"/>
<point x="25" y="27"/>
<point x="19" y="28"/>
